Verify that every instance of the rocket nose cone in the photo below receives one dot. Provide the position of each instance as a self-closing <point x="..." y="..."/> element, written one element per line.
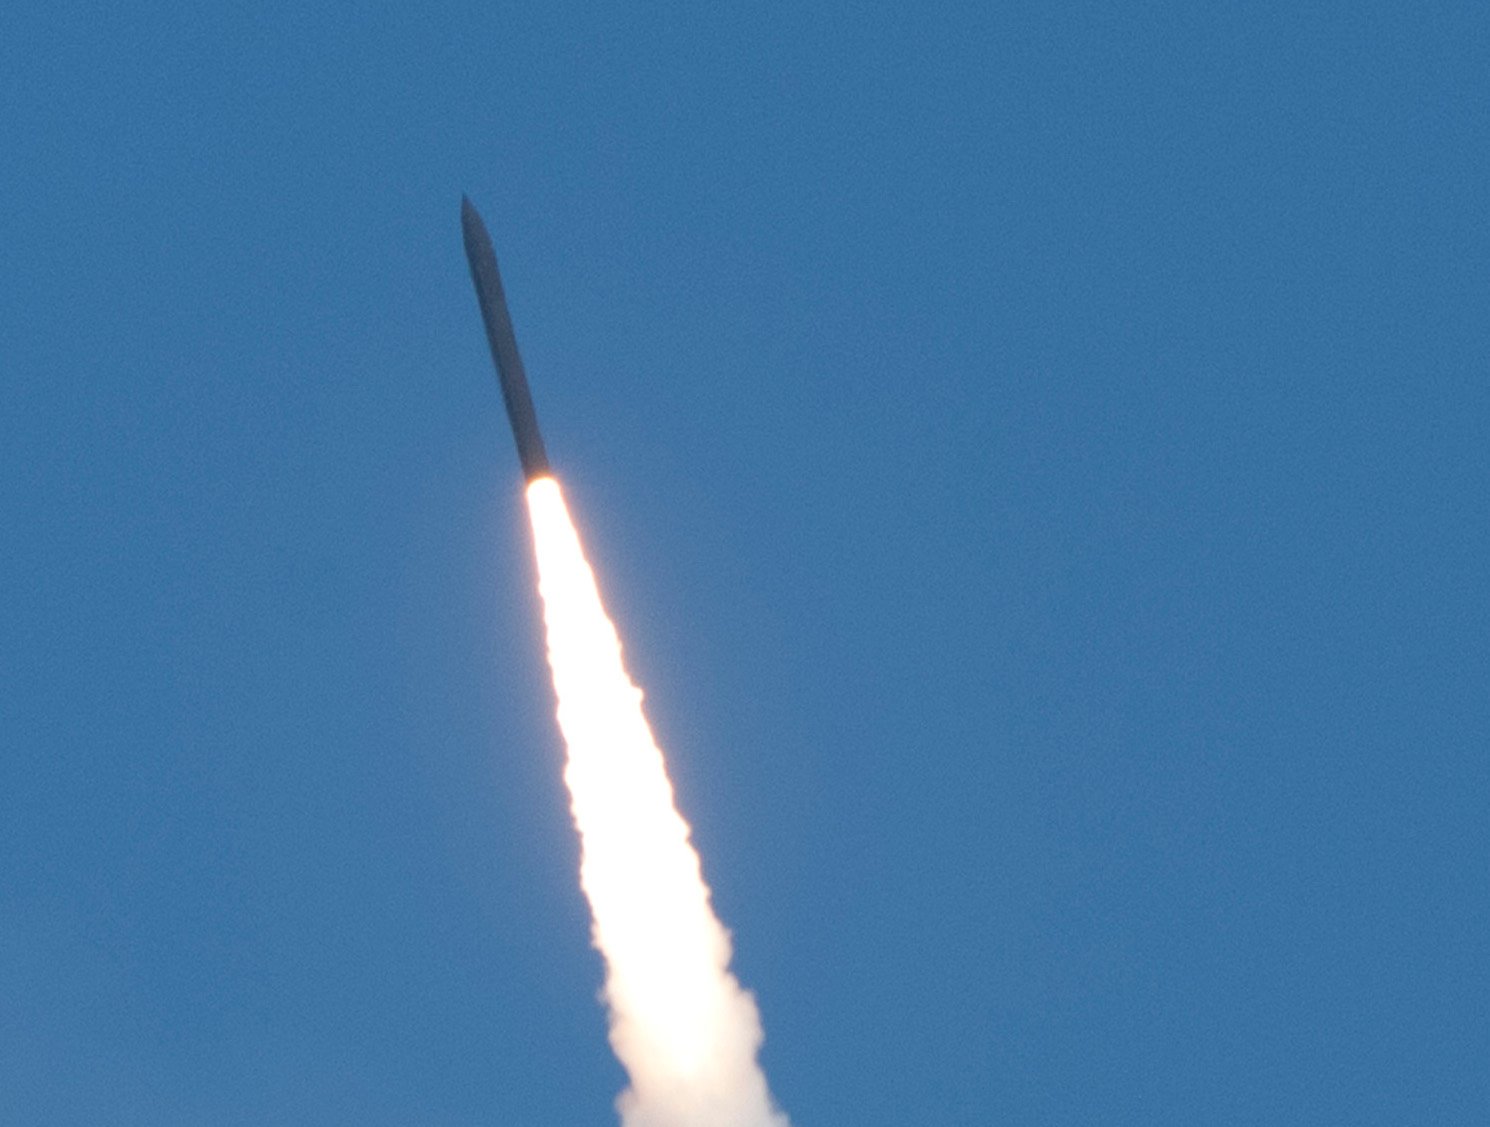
<point x="470" y="222"/>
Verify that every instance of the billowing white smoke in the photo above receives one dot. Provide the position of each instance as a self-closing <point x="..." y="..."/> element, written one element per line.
<point x="681" y="1025"/>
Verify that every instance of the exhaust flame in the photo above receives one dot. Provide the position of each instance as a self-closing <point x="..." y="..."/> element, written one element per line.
<point x="680" y="1023"/>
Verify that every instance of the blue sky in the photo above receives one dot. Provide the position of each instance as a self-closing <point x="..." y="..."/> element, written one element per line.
<point x="1036" y="456"/>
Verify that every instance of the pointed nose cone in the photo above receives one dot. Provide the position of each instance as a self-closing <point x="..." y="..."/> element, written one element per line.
<point x="471" y="227"/>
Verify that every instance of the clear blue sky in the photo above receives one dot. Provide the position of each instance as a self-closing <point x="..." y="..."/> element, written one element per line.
<point x="1038" y="456"/>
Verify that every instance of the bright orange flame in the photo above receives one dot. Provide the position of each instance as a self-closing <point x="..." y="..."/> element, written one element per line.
<point x="681" y="1025"/>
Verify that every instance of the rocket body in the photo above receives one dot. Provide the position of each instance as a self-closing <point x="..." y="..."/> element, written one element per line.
<point x="499" y="335"/>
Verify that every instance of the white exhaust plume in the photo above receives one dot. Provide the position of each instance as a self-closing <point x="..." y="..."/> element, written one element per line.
<point x="683" y="1028"/>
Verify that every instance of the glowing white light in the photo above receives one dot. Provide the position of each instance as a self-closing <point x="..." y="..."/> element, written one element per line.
<point x="680" y="1023"/>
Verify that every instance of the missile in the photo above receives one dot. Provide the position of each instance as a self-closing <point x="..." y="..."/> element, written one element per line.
<point x="503" y="343"/>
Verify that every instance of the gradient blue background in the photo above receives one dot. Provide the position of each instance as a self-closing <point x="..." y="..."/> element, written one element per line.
<point x="1037" y="456"/>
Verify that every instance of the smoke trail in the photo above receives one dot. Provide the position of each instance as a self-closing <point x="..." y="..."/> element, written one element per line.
<point x="680" y="1023"/>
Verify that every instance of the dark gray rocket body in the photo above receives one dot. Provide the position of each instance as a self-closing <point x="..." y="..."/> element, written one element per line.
<point x="499" y="335"/>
